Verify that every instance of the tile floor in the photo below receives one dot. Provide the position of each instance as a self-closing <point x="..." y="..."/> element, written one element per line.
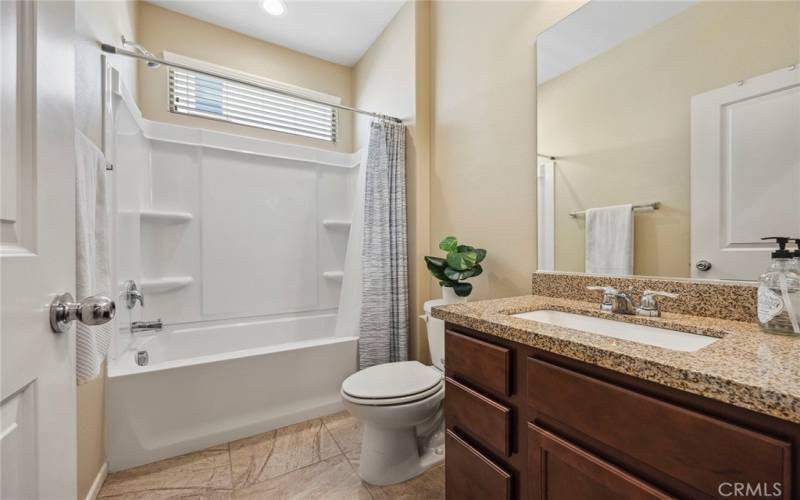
<point x="311" y="460"/>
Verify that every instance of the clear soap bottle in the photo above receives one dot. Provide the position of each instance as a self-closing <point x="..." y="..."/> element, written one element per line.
<point x="779" y="292"/>
<point x="796" y="261"/>
<point x="796" y="258"/>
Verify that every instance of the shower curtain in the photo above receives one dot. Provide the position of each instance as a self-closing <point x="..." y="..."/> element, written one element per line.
<point x="380" y="244"/>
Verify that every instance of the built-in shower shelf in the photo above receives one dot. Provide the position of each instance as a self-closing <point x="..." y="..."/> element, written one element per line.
<point x="333" y="275"/>
<point x="336" y="224"/>
<point x="161" y="285"/>
<point x="164" y="216"/>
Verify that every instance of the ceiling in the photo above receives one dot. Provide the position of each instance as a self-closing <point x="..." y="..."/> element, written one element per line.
<point x="597" y="27"/>
<point x="339" y="31"/>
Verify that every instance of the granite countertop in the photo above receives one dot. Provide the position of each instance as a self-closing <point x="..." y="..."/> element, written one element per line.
<point x="746" y="367"/>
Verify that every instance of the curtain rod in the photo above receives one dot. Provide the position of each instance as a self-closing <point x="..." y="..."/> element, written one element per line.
<point x="549" y="157"/>
<point x="111" y="49"/>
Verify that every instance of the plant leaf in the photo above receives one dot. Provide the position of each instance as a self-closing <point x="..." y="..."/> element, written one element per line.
<point x="453" y="274"/>
<point x="462" y="275"/>
<point x="461" y="261"/>
<point x="481" y="254"/>
<point x="462" y="289"/>
<point x="436" y="266"/>
<point x="449" y="244"/>
<point x="472" y="272"/>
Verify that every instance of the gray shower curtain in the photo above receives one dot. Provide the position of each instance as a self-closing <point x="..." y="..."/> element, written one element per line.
<point x="383" y="324"/>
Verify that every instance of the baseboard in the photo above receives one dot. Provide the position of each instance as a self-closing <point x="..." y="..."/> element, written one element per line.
<point x="98" y="482"/>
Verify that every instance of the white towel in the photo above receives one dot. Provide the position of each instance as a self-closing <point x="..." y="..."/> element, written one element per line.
<point x="92" y="206"/>
<point x="609" y="240"/>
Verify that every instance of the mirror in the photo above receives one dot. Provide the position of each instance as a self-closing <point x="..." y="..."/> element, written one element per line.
<point x="687" y="110"/>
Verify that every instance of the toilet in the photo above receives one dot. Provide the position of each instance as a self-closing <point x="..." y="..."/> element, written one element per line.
<point x="401" y="408"/>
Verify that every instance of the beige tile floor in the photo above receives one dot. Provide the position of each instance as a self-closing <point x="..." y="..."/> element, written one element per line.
<point x="311" y="460"/>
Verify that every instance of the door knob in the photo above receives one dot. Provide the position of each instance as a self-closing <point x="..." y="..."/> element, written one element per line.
<point x="94" y="310"/>
<point x="703" y="265"/>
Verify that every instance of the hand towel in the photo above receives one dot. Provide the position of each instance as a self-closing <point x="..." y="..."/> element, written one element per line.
<point x="92" y="206"/>
<point x="609" y="240"/>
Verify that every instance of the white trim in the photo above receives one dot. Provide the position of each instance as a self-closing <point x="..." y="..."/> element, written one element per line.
<point x="102" y="474"/>
<point x="546" y="210"/>
<point x="215" y="68"/>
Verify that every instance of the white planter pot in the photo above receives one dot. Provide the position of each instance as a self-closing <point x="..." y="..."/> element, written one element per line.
<point x="449" y="296"/>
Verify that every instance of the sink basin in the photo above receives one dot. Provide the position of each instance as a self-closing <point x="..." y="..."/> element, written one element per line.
<point x="659" y="337"/>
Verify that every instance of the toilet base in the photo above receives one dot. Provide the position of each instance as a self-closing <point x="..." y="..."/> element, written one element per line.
<point x="390" y="456"/>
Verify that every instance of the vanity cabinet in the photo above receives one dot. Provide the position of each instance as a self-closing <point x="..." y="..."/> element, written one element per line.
<point x="529" y="424"/>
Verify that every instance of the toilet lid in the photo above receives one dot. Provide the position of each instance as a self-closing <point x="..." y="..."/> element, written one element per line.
<point x="392" y="380"/>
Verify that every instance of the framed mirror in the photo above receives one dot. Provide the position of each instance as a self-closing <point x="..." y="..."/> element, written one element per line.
<point x="669" y="137"/>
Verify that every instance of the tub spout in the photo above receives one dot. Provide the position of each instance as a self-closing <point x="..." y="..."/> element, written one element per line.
<point x="146" y="326"/>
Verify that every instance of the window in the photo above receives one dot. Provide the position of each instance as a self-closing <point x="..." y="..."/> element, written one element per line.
<point x="210" y="97"/>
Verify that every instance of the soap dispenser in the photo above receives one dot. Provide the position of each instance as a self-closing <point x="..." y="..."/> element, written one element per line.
<point x="779" y="292"/>
<point x="797" y="255"/>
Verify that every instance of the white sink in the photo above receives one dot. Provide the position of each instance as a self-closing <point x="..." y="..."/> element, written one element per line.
<point x="659" y="337"/>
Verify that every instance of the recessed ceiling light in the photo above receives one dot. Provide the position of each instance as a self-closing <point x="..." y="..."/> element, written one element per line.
<point x="274" y="7"/>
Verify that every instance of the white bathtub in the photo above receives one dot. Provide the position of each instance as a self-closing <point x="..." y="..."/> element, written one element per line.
<point x="208" y="385"/>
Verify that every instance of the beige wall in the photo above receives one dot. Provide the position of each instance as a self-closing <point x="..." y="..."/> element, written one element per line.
<point x="483" y="179"/>
<point x="96" y="21"/>
<point x="163" y="30"/>
<point x="620" y="123"/>
<point x="393" y="78"/>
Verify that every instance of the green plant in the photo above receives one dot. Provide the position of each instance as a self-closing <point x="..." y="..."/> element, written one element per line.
<point x="462" y="262"/>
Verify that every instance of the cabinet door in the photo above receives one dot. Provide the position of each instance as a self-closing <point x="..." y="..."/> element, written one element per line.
<point x="559" y="470"/>
<point x="469" y="475"/>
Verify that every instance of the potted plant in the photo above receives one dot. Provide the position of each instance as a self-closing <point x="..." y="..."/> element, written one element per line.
<point x="462" y="262"/>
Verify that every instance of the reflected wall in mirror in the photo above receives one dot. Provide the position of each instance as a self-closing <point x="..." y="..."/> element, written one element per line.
<point x="691" y="105"/>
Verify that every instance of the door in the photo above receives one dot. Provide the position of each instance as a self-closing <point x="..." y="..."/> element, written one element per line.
<point x="559" y="470"/>
<point x="745" y="149"/>
<point x="37" y="250"/>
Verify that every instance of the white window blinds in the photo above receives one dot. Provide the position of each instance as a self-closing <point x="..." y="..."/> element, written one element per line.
<point x="209" y="97"/>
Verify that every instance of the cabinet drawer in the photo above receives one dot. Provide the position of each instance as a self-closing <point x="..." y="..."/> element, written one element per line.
<point x="471" y="476"/>
<point x="486" y="420"/>
<point x="699" y="450"/>
<point x="560" y="470"/>
<point x="480" y="362"/>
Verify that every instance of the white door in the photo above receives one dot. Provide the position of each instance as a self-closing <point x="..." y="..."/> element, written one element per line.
<point x="37" y="250"/>
<point x="745" y="173"/>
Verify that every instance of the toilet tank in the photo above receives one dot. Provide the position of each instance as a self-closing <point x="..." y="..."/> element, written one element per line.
<point x="435" y="333"/>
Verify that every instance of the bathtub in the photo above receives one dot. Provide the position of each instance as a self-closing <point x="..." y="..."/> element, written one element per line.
<point x="208" y="385"/>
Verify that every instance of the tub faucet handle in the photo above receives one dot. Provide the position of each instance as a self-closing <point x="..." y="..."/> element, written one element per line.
<point x="131" y="294"/>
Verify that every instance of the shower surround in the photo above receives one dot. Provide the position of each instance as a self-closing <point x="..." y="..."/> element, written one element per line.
<point x="239" y="246"/>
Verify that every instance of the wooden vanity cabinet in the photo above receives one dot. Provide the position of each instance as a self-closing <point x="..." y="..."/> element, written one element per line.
<point x="529" y="424"/>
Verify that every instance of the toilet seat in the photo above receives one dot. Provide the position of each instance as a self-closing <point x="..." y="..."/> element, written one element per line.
<point x="392" y="383"/>
<point x="394" y="401"/>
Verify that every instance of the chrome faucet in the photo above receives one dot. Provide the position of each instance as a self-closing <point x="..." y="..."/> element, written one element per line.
<point x="618" y="302"/>
<point x="146" y="326"/>
<point x="648" y="304"/>
<point x="622" y="303"/>
<point x="131" y="294"/>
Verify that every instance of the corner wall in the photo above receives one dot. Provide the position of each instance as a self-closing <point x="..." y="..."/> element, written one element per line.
<point x="161" y="29"/>
<point x="96" y="21"/>
<point x="393" y="78"/>
<point x="483" y="177"/>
